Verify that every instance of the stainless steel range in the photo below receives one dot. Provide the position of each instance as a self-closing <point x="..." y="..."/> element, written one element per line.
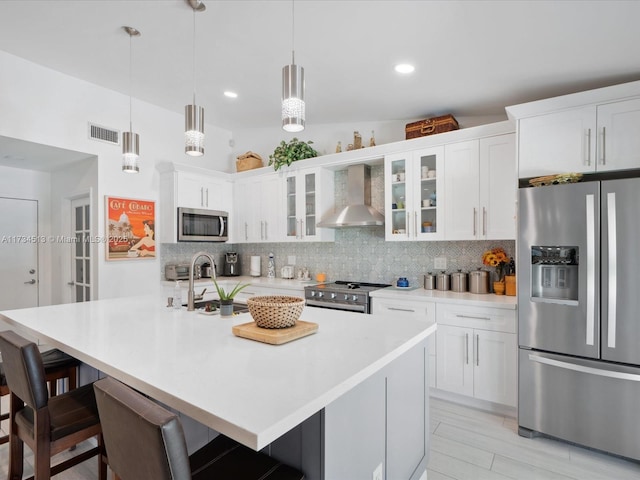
<point x="342" y="295"/>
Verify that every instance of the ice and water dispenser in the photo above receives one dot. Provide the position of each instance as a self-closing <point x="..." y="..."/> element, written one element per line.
<point x="554" y="273"/>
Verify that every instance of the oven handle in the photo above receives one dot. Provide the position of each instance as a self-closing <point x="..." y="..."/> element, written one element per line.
<point x="336" y="306"/>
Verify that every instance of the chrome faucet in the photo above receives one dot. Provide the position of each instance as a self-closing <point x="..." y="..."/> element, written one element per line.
<point x="190" y="298"/>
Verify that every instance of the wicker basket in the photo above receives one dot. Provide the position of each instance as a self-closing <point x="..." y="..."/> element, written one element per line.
<point x="431" y="126"/>
<point x="248" y="161"/>
<point x="275" y="311"/>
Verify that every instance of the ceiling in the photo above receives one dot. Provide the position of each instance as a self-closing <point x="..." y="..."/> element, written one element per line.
<point x="472" y="57"/>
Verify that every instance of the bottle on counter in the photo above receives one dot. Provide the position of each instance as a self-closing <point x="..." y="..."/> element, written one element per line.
<point x="177" y="296"/>
<point x="271" y="269"/>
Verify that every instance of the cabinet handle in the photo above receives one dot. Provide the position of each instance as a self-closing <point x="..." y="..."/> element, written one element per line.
<point x="477" y="350"/>
<point x="396" y="309"/>
<point x="587" y="150"/>
<point x="207" y="196"/>
<point x="261" y="230"/>
<point x="603" y="147"/>
<point x="246" y="231"/>
<point x="301" y="229"/>
<point x="484" y="221"/>
<point x="407" y="224"/>
<point x="474" y="222"/>
<point x="466" y="348"/>
<point x="266" y="234"/>
<point x="472" y="317"/>
<point x="202" y="196"/>
<point x="415" y="224"/>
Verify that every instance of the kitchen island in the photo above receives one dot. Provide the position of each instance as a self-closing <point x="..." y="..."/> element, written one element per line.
<point x="348" y="379"/>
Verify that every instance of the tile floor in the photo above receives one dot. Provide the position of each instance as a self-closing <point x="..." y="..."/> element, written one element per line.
<point x="466" y="444"/>
<point x="469" y="444"/>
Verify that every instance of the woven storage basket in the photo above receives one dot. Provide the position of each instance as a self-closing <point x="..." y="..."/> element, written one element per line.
<point x="248" y="161"/>
<point x="431" y="126"/>
<point x="275" y="311"/>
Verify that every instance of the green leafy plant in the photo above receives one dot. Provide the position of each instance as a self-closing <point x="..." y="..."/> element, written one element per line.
<point x="287" y="153"/>
<point x="231" y="294"/>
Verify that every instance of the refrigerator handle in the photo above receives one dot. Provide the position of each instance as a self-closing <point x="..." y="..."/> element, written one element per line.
<point x="584" y="368"/>
<point x="591" y="268"/>
<point x="587" y="150"/>
<point x="613" y="269"/>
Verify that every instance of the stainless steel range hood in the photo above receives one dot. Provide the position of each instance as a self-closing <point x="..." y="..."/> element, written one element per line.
<point x="358" y="212"/>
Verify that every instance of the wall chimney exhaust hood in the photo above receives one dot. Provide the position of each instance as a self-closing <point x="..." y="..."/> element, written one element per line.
<point x="358" y="212"/>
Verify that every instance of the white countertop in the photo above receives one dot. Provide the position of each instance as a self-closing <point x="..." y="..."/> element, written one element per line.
<point x="250" y="391"/>
<point x="440" y="296"/>
<point x="280" y="283"/>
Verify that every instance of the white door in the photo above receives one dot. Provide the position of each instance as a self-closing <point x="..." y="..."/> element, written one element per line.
<point x="454" y="367"/>
<point x="81" y="250"/>
<point x="462" y="190"/>
<point x="495" y="367"/>
<point x="18" y="253"/>
<point x="618" y="139"/>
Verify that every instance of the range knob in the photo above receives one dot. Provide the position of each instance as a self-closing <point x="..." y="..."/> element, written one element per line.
<point x="320" y="294"/>
<point x="334" y="295"/>
<point x="346" y="297"/>
<point x="313" y="293"/>
<point x="354" y="298"/>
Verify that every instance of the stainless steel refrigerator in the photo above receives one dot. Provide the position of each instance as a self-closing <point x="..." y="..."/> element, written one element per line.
<point x="579" y="314"/>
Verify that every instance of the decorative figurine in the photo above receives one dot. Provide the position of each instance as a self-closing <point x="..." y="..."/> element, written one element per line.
<point x="339" y="147"/>
<point x="357" y="141"/>
<point x="372" y="140"/>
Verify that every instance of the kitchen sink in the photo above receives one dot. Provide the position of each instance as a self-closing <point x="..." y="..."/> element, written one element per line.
<point x="237" y="307"/>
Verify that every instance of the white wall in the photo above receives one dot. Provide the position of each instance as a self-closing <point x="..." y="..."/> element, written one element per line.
<point x="44" y="106"/>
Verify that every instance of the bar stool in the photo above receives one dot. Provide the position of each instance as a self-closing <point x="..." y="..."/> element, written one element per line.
<point x="48" y="425"/>
<point x="57" y="366"/>
<point x="144" y="440"/>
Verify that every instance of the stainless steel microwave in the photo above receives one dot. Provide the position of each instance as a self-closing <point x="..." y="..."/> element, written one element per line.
<point x="200" y="225"/>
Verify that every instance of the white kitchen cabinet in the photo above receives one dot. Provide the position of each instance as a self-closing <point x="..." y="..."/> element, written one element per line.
<point x="309" y="194"/>
<point x="192" y="189"/>
<point x="587" y="139"/>
<point x="198" y="191"/>
<point x="257" y="217"/>
<point x="481" y="187"/>
<point x="421" y="309"/>
<point x="413" y="194"/>
<point x="476" y="352"/>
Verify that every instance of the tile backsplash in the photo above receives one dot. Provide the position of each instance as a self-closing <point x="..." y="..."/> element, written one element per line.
<point x="358" y="253"/>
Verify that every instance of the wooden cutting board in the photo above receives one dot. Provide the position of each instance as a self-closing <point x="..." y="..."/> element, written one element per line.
<point x="274" y="336"/>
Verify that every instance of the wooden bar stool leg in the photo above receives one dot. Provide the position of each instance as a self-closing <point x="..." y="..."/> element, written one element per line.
<point x="16" y="446"/>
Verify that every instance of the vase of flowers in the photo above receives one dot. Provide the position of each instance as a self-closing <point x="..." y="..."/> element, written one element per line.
<point x="498" y="259"/>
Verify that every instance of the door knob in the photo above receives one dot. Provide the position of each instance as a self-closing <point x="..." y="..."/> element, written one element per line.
<point x="32" y="271"/>
<point x="71" y="284"/>
<point x="30" y="282"/>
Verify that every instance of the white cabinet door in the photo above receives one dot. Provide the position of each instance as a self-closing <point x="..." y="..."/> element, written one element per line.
<point x="454" y="369"/>
<point x="619" y="135"/>
<point x="258" y="213"/>
<point x="494" y="374"/>
<point x="462" y="187"/>
<point x="309" y="194"/>
<point x="414" y="195"/>
<point x="197" y="191"/>
<point x="498" y="188"/>
<point x="558" y="142"/>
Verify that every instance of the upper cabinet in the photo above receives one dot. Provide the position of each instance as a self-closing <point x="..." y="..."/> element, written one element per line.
<point x="308" y="194"/>
<point x="588" y="132"/>
<point x="258" y="206"/>
<point x="193" y="189"/>
<point x="480" y="186"/>
<point x="413" y="195"/>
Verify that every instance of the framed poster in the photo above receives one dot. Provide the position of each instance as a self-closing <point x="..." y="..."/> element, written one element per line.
<point x="131" y="228"/>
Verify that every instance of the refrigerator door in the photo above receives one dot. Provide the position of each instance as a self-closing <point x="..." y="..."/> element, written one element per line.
<point x="620" y="299"/>
<point x="564" y="218"/>
<point x="589" y="402"/>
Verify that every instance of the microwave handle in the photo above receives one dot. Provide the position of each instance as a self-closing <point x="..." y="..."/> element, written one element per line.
<point x="222" y="226"/>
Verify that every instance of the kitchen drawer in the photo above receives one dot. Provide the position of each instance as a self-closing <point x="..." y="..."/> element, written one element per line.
<point x="484" y="318"/>
<point x="404" y="308"/>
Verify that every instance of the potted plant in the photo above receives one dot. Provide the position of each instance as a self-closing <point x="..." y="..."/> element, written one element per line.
<point x="287" y="153"/>
<point x="226" y="297"/>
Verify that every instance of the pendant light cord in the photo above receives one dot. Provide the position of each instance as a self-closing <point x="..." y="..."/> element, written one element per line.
<point x="130" y="82"/>
<point x="194" y="56"/>
<point x="293" y="27"/>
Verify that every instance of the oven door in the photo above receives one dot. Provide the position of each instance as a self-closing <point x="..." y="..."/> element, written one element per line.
<point x="338" y="306"/>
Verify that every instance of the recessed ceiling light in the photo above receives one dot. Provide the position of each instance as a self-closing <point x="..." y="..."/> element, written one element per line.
<point x="230" y="94"/>
<point x="404" y="68"/>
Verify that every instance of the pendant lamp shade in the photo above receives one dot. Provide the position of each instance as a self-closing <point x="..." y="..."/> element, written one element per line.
<point x="293" y="108"/>
<point x="130" y="152"/>
<point x="194" y="130"/>
<point x="130" y="140"/>
<point x="193" y="114"/>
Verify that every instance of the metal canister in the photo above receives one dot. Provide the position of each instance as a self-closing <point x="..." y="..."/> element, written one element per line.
<point x="479" y="281"/>
<point x="429" y="281"/>
<point x="459" y="281"/>
<point x="442" y="281"/>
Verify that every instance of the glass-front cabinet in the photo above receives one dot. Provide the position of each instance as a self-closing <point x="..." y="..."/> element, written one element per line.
<point x="309" y="194"/>
<point x="414" y="189"/>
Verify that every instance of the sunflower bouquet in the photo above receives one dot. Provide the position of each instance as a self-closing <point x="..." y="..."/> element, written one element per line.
<point x="497" y="258"/>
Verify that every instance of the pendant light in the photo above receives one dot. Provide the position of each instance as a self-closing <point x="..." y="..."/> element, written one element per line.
<point x="193" y="114"/>
<point x="130" y="140"/>
<point x="293" y="113"/>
